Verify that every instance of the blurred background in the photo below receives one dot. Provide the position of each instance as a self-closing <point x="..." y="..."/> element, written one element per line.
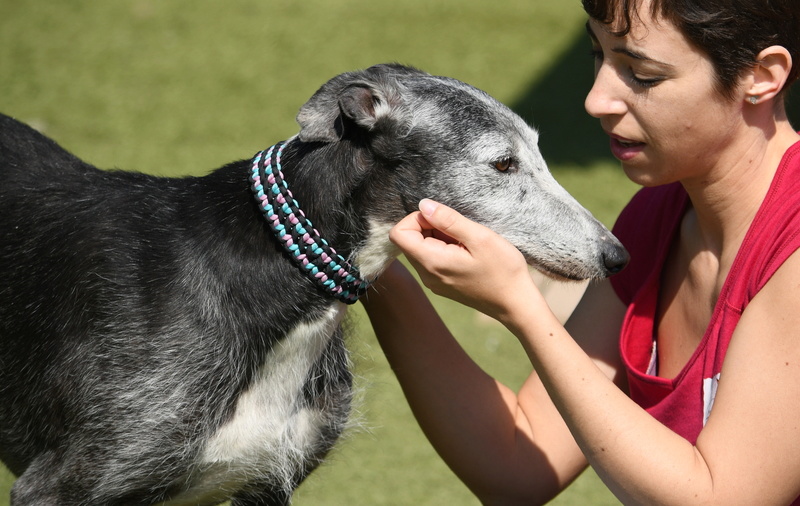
<point x="180" y="87"/>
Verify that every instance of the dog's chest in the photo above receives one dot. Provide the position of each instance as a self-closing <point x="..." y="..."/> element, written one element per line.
<point x="273" y="430"/>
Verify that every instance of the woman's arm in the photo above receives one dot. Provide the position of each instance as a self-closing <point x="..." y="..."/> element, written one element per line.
<point x="749" y="453"/>
<point x="506" y="447"/>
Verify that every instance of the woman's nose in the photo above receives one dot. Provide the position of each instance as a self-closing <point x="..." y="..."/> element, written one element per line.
<point x="604" y="98"/>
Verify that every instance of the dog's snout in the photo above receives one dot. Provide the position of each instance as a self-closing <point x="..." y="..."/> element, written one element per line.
<point x="615" y="256"/>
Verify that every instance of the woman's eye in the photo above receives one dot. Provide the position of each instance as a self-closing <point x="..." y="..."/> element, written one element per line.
<point x="504" y="164"/>
<point x="645" y="83"/>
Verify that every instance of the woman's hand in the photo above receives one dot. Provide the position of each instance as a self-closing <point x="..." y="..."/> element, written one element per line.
<point x="465" y="261"/>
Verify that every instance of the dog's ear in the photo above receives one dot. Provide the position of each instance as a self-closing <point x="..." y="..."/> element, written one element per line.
<point x="319" y="117"/>
<point x="362" y="104"/>
<point x="365" y="98"/>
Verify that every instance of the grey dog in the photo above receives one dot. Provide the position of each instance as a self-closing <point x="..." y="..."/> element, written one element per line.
<point x="161" y="341"/>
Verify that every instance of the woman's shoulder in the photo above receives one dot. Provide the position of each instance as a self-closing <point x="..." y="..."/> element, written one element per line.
<point x="774" y="235"/>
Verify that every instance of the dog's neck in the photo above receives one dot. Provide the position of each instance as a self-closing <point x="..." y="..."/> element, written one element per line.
<point x="320" y="262"/>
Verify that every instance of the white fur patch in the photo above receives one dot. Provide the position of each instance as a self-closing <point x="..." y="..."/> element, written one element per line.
<point x="271" y="431"/>
<point x="376" y="253"/>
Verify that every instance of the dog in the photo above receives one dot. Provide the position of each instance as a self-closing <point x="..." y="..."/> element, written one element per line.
<point x="164" y="340"/>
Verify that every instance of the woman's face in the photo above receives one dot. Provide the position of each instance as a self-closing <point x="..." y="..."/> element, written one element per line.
<point x="655" y="96"/>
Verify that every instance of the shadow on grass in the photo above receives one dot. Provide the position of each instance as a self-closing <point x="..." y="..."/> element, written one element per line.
<point x="554" y="105"/>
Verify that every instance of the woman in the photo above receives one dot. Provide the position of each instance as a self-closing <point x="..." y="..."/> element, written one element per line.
<point x="679" y="379"/>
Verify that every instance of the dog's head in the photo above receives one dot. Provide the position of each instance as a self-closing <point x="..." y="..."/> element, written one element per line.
<point x="426" y="136"/>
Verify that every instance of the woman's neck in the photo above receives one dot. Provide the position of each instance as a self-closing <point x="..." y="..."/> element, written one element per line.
<point x="728" y="197"/>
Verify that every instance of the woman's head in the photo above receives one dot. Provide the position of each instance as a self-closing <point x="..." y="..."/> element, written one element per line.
<point x="731" y="32"/>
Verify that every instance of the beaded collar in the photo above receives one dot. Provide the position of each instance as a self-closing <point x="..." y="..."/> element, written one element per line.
<point x="316" y="258"/>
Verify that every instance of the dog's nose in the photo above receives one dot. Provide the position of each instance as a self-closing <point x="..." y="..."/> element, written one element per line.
<point x="615" y="256"/>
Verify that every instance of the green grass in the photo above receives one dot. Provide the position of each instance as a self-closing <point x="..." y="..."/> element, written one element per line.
<point x="183" y="86"/>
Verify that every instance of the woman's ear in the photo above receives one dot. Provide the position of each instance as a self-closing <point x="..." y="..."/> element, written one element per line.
<point x="769" y="74"/>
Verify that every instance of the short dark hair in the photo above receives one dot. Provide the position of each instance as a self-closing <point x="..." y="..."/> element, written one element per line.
<point x="731" y="32"/>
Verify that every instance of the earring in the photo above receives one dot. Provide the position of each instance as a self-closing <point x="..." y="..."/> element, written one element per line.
<point x="753" y="100"/>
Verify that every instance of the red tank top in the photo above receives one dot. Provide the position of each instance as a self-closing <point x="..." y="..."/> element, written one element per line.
<point x="647" y="227"/>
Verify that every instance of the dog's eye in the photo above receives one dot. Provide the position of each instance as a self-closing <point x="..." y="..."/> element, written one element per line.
<point x="504" y="164"/>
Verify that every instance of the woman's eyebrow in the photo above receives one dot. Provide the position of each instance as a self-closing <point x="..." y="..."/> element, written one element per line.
<point x="636" y="55"/>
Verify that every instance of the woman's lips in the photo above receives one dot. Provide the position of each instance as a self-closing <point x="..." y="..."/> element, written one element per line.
<point x="625" y="149"/>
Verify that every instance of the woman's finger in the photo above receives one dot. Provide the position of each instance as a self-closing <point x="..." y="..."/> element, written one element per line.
<point x="418" y="238"/>
<point x="446" y="221"/>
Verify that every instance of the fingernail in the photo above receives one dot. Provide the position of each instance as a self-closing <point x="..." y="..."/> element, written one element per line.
<point x="427" y="206"/>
